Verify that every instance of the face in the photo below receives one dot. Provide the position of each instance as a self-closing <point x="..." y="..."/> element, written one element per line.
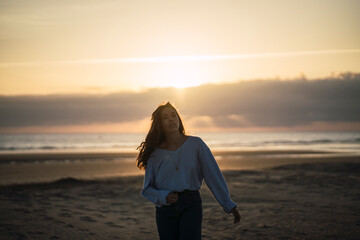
<point x="169" y="120"/>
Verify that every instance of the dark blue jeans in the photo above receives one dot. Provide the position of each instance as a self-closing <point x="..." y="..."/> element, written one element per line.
<point x="181" y="220"/>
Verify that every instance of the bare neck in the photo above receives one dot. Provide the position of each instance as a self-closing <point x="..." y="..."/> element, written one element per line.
<point x="174" y="140"/>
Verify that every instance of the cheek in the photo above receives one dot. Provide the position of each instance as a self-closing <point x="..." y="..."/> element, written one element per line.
<point x="163" y="122"/>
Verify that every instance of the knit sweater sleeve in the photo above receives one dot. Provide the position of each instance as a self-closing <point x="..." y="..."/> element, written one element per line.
<point x="213" y="177"/>
<point x="158" y="197"/>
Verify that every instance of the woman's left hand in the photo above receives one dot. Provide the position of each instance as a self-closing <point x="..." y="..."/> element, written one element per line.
<point x="237" y="216"/>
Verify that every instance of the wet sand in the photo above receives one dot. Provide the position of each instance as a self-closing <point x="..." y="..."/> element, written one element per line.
<point x="300" y="196"/>
<point x="51" y="166"/>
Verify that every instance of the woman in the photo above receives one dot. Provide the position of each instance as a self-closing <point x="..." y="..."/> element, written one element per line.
<point x="175" y="165"/>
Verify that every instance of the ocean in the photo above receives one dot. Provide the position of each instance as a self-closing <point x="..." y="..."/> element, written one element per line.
<point x="125" y="142"/>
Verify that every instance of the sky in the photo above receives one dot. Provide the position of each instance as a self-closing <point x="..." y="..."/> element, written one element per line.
<point x="265" y="105"/>
<point x="75" y="51"/>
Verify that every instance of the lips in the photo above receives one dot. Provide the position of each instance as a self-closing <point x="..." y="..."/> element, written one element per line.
<point x="172" y="125"/>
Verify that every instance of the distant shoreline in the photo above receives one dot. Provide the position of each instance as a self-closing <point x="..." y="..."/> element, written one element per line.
<point x="46" y="155"/>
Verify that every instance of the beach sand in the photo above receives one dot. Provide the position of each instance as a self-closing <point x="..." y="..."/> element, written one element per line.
<point x="288" y="195"/>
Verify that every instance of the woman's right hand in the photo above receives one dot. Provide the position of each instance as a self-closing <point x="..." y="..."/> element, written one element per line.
<point x="172" y="197"/>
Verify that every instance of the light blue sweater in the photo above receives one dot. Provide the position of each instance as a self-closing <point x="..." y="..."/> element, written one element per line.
<point x="185" y="168"/>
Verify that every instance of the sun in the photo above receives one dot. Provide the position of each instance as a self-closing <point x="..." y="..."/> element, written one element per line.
<point x="182" y="75"/>
<point x="183" y="82"/>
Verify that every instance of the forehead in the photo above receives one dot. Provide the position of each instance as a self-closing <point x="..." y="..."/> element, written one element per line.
<point x="168" y="110"/>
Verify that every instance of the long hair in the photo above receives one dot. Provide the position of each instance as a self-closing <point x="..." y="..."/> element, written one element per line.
<point x="155" y="135"/>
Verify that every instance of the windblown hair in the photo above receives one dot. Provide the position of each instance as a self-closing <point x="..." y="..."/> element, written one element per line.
<point x="155" y="136"/>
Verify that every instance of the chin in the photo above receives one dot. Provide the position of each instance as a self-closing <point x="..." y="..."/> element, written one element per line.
<point x="172" y="130"/>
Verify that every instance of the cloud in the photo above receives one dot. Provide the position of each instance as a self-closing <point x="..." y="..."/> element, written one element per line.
<point x="200" y="122"/>
<point x="257" y="103"/>
<point x="196" y="58"/>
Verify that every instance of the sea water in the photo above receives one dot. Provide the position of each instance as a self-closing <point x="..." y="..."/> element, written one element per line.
<point x="127" y="142"/>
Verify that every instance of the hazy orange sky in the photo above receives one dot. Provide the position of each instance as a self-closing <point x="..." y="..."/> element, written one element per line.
<point x="103" y="66"/>
<point x="74" y="46"/>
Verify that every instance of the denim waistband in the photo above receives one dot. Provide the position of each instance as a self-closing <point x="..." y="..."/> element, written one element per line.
<point x="187" y="191"/>
<point x="187" y="199"/>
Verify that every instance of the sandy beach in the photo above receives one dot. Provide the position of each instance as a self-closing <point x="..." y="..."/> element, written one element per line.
<point x="39" y="167"/>
<point x="280" y="194"/>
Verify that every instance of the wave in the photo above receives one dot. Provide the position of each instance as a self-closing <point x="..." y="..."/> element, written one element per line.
<point x="130" y="146"/>
<point x="46" y="147"/>
<point x="316" y="141"/>
<point x="66" y="160"/>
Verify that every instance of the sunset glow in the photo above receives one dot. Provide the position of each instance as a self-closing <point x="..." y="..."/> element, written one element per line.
<point x="104" y="55"/>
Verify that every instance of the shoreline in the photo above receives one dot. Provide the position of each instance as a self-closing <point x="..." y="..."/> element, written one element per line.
<point x="60" y="155"/>
<point x="44" y="167"/>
